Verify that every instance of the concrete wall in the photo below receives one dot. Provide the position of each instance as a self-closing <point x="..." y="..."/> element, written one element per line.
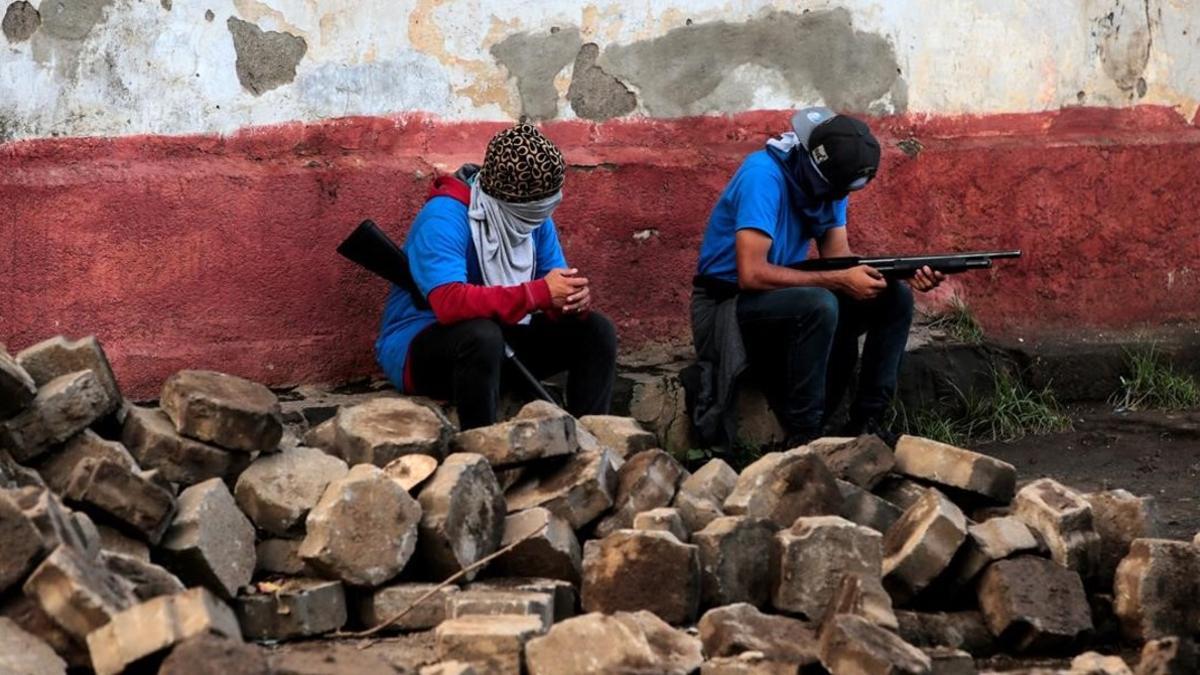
<point x="177" y="172"/>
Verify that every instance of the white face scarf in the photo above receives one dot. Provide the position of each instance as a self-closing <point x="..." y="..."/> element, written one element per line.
<point x="502" y="233"/>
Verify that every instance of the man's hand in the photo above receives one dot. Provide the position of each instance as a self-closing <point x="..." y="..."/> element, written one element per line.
<point x="862" y="282"/>
<point x="926" y="279"/>
<point x="568" y="290"/>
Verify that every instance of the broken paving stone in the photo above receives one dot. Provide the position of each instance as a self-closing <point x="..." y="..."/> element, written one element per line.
<point x="624" y="642"/>
<point x="410" y="471"/>
<point x="1095" y="663"/>
<point x="735" y="560"/>
<point x="809" y="558"/>
<point x="22" y="653"/>
<point x="146" y="579"/>
<point x="291" y="609"/>
<point x="646" y="481"/>
<point x="111" y="489"/>
<point x="577" y="491"/>
<point x="553" y="552"/>
<point x="17" y="388"/>
<point x="539" y="431"/>
<point x="866" y="509"/>
<point x="662" y="520"/>
<point x="1063" y="519"/>
<point x="497" y="602"/>
<point x="623" y="435"/>
<point x="1118" y="518"/>
<point x="563" y="592"/>
<point x="783" y="486"/>
<point x="861" y="595"/>
<point x="851" y="644"/>
<point x="78" y="593"/>
<point x="738" y="628"/>
<point x="13" y="475"/>
<point x="1034" y="605"/>
<point x="363" y="530"/>
<point x="384" y="603"/>
<point x="746" y="663"/>
<point x="215" y="655"/>
<point x="495" y="643"/>
<point x="279" y="556"/>
<point x="863" y="461"/>
<point x="323" y="437"/>
<point x="701" y="495"/>
<point x="59" y="356"/>
<point x="462" y="517"/>
<point x="277" y="491"/>
<point x="899" y="491"/>
<point x="921" y="544"/>
<point x="211" y="542"/>
<point x="964" y="630"/>
<point x="116" y="542"/>
<point x="63" y="407"/>
<point x="57" y="467"/>
<point x="155" y="625"/>
<point x="947" y="661"/>
<point x="989" y="541"/>
<point x="23" y="546"/>
<point x="1157" y="589"/>
<point x="952" y="467"/>
<point x="382" y="429"/>
<point x="222" y="409"/>
<point x="55" y="523"/>
<point x="25" y="611"/>
<point x="631" y="570"/>
<point x="1169" y="656"/>
<point x="153" y="441"/>
<point x="450" y="668"/>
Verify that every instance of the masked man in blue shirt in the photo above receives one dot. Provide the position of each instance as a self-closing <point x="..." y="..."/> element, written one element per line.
<point x="797" y="331"/>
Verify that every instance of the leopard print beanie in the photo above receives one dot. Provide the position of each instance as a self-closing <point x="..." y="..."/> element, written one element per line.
<point x="521" y="165"/>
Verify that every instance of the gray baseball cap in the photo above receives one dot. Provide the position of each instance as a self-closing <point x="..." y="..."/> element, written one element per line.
<point x="841" y="148"/>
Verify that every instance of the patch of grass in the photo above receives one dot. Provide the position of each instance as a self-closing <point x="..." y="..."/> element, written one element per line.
<point x="1010" y="412"/>
<point x="1152" y="383"/>
<point x="958" y="322"/>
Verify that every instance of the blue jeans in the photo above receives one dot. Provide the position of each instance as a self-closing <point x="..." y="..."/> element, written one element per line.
<point x="802" y="345"/>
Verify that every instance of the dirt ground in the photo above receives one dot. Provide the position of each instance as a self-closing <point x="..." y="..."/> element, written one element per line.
<point x="1150" y="454"/>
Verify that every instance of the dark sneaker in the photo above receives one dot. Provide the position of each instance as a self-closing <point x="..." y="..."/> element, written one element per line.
<point x="872" y="425"/>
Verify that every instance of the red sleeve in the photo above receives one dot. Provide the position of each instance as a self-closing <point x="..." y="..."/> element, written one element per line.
<point x="458" y="301"/>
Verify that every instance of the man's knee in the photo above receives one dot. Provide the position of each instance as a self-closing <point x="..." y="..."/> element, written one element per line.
<point x="480" y="343"/>
<point x="899" y="300"/>
<point x="601" y="334"/>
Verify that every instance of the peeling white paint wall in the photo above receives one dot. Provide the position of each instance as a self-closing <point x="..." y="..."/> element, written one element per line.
<point x="143" y="68"/>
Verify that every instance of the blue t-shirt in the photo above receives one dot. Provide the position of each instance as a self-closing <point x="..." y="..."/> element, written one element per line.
<point x="757" y="198"/>
<point x="440" y="251"/>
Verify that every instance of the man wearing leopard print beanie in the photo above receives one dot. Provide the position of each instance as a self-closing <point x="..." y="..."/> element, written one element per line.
<point x="487" y="261"/>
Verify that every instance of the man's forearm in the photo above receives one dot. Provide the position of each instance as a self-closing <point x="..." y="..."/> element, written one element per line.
<point x="770" y="277"/>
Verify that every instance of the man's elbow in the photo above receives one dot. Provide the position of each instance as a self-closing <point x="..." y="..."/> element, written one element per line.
<point x="749" y="280"/>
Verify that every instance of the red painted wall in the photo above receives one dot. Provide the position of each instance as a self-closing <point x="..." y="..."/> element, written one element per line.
<point x="218" y="251"/>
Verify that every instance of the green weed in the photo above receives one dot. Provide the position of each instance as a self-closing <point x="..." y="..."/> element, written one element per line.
<point x="958" y="322"/>
<point x="1010" y="412"/>
<point x="1152" y="383"/>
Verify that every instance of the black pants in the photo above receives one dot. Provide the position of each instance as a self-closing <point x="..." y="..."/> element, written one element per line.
<point x="465" y="363"/>
<point x="802" y="344"/>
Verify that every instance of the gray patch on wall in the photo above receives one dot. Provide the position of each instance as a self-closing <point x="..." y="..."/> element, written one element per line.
<point x="594" y="94"/>
<point x="21" y="19"/>
<point x="534" y="60"/>
<point x="265" y="59"/>
<point x="72" y="19"/>
<point x="1124" y="38"/>
<point x="677" y="73"/>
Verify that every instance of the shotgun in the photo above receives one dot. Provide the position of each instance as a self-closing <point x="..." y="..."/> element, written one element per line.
<point x="368" y="247"/>
<point x="904" y="267"/>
